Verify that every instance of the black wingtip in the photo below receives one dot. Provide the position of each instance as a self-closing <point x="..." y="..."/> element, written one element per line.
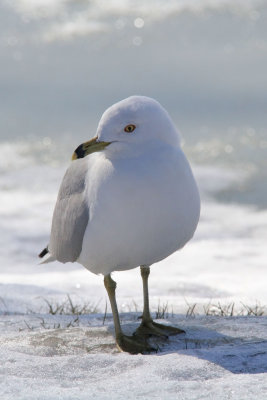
<point x="43" y="252"/>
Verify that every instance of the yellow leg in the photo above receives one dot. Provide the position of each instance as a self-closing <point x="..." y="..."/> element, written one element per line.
<point x="145" y="271"/>
<point x="148" y="327"/>
<point x="133" y="345"/>
<point x="110" y="286"/>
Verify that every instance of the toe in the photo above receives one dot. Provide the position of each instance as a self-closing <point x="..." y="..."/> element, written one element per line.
<point x="151" y="328"/>
<point x="170" y="330"/>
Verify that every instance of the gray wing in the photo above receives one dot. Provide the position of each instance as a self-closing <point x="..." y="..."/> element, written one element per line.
<point x="71" y="214"/>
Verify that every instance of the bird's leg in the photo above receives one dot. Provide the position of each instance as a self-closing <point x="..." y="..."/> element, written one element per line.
<point x="148" y="326"/>
<point x="131" y="344"/>
<point x="145" y="271"/>
<point x="110" y="286"/>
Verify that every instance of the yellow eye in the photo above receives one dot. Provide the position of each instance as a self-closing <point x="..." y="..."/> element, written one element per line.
<point x="129" y="128"/>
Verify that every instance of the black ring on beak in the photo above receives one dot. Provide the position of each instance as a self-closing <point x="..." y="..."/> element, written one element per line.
<point x="80" y="152"/>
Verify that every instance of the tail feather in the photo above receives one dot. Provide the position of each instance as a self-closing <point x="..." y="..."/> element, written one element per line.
<point x="43" y="252"/>
<point x="47" y="257"/>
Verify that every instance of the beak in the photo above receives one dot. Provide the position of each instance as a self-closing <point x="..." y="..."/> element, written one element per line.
<point x="89" y="147"/>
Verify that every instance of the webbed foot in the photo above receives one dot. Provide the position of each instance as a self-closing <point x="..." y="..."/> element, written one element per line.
<point x="134" y="345"/>
<point x="148" y="328"/>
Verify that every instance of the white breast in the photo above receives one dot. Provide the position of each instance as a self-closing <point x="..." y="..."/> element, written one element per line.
<point x="142" y="209"/>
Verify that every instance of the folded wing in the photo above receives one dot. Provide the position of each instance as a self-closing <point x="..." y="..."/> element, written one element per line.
<point x="71" y="214"/>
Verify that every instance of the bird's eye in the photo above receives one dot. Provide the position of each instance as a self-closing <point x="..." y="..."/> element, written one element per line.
<point x="129" y="128"/>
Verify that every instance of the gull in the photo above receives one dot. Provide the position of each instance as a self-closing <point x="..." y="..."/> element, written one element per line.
<point x="128" y="199"/>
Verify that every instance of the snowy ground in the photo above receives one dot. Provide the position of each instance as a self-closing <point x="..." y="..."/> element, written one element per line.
<point x="217" y="358"/>
<point x="51" y="357"/>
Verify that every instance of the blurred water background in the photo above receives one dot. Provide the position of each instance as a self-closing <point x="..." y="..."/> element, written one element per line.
<point x="63" y="62"/>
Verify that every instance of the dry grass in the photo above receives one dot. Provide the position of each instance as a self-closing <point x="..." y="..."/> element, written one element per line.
<point x="213" y="309"/>
<point x="256" y="311"/>
<point x="71" y="324"/>
<point x="226" y="310"/>
<point x="163" y="311"/>
<point x="71" y="308"/>
<point x="68" y="307"/>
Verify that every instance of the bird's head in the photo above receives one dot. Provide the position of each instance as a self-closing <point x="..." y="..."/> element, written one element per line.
<point x="136" y="122"/>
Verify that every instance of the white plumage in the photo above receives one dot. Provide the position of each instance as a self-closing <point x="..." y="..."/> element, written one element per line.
<point x="142" y="197"/>
<point x="131" y="203"/>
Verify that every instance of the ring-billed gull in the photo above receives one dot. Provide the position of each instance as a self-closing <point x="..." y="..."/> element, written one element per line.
<point x="132" y="202"/>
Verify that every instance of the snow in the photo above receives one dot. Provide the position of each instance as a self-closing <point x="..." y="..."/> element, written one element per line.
<point x="46" y="356"/>
<point x="218" y="358"/>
